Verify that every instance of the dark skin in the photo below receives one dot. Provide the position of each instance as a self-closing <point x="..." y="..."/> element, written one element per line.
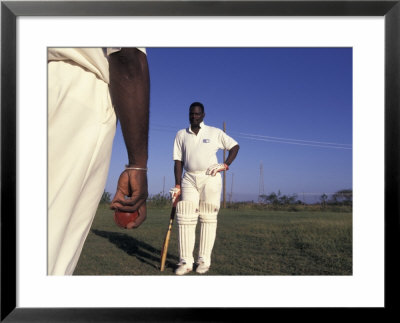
<point x="196" y="116"/>
<point x="130" y="94"/>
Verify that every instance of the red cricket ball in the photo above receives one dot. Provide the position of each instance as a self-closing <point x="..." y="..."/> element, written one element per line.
<point x="122" y="219"/>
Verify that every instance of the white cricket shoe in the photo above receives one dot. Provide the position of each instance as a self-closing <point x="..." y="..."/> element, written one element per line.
<point x="183" y="268"/>
<point x="202" y="267"/>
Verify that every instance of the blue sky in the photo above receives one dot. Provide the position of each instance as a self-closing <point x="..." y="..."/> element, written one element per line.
<point x="290" y="109"/>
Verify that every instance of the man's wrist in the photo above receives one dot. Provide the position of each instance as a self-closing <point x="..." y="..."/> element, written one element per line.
<point x="136" y="167"/>
<point x="137" y="161"/>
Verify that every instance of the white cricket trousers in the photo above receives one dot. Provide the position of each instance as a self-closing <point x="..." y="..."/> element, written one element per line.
<point x="201" y="198"/>
<point x="81" y="129"/>
<point x="199" y="187"/>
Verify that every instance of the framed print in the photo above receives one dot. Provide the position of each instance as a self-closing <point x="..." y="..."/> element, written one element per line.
<point x="155" y="298"/>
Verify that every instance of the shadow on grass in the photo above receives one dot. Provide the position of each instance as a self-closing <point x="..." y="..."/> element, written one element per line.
<point x="136" y="248"/>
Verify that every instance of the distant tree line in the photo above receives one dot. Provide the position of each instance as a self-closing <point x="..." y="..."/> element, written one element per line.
<point x="105" y="198"/>
<point x="277" y="199"/>
<point x="274" y="200"/>
<point x="159" y="200"/>
<point x="156" y="200"/>
<point x="342" y="197"/>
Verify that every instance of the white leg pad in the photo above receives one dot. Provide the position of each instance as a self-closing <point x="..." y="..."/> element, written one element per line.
<point x="186" y="217"/>
<point x="208" y="230"/>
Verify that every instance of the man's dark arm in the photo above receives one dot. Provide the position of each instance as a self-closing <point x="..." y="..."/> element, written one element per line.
<point x="130" y="94"/>
<point x="232" y="155"/>
<point x="178" y="170"/>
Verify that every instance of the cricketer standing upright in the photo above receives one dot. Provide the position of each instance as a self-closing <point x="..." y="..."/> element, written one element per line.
<point x="200" y="187"/>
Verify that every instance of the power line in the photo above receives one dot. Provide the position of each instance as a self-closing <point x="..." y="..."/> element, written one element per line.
<point x="256" y="137"/>
<point x="293" y="143"/>
<point x="295" y="140"/>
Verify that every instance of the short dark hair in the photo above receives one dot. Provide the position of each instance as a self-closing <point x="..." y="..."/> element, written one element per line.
<point x="197" y="104"/>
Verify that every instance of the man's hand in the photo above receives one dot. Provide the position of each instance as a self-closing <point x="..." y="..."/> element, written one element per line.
<point x="175" y="192"/>
<point x="214" y="169"/>
<point x="131" y="194"/>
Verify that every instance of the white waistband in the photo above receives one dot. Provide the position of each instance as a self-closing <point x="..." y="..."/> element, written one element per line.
<point x="198" y="172"/>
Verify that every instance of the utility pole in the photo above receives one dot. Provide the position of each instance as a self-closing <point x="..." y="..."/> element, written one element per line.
<point x="261" y="187"/>
<point x="231" y="195"/>
<point x="224" y="177"/>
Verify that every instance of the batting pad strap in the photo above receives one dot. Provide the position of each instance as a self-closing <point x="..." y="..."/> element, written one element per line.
<point x="187" y="219"/>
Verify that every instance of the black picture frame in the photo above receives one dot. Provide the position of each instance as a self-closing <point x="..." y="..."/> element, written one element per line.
<point x="10" y="10"/>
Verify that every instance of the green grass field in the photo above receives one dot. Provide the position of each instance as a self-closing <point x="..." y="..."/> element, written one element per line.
<point x="249" y="242"/>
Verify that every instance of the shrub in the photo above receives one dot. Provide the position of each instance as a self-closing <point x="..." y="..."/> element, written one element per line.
<point x="159" y="200"/>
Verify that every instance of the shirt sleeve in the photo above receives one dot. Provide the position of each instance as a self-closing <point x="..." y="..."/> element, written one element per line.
<point x="177" y="152"/>
<point x="227" y="142"/>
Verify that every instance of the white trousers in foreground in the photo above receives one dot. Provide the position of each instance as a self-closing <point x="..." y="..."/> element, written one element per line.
<point x="81" y="129"/>
<point x="201" y="198"/>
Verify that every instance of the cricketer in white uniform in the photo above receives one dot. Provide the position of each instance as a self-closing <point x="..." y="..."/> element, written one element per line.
<point x="81" y="128"/>
<point x="200" y="187"/>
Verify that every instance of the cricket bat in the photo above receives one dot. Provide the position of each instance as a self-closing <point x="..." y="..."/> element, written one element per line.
<point x="164" y="249"/>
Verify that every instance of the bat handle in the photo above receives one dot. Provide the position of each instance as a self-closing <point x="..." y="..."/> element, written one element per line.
<point x="176" y="201"/>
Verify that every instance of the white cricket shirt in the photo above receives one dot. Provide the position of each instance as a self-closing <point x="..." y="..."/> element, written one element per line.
<point x="93" y="59"/>
<point x="198" y="152"/>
